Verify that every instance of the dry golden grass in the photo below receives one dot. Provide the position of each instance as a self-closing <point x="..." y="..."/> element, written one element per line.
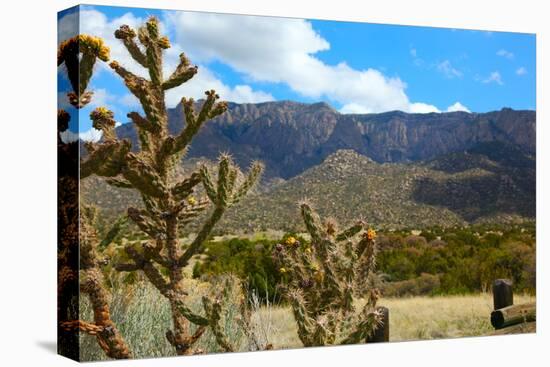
<point x="419" y="318"/>
<point x="143" y="316"/>
<point x="413" y="318"/>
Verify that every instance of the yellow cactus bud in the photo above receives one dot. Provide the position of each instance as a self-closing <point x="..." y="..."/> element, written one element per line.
<point x="371" y="234"/>
<point x="101" y="113"/>
<point x="319" y="276"/>
<point x="164" y="42"/>
<point x="192" y="200"/>
<point x="290" y="241"/>
<point x="93" y="45"/>
<point x="282" y="270"/>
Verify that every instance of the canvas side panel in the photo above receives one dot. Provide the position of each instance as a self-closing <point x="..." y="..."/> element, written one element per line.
<point x="67" y="200"/>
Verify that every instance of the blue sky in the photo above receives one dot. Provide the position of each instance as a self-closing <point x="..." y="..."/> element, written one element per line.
<point x="355" y="67"/>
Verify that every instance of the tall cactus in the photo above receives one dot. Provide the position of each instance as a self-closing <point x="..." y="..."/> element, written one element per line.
<point x="168" y="204"/>
<point x="78" y="262"/>
<point x="325" y="279"/>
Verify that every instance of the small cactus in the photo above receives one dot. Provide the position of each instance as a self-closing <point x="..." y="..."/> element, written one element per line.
<point x="324" y="281"/>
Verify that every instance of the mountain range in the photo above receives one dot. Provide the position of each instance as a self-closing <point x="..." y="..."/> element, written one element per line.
<point x="393" y="169"/>
<point x="290" y="137"/>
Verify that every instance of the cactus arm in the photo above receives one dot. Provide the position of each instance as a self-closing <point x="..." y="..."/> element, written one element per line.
<point x="152" y="273"/>
<point x="127" y="35"/>
<point x="83" y="326"/>
<point x="193" y="122"/>
<point x="143" y="176"/>
<point x="181" y="74"/>
<point x="184" y="188"/>
<point x="142" y="123"/>
<point x="135" y="84"/>
<point x="144" y="222"/>
<point x="183" y="344"/>
<point x="86" y="69"/>
<point x="152" y="207"/>
<point x="253" y="177"/>
<point x="304" y="322"/>
<point x="350" y="232"/>
<point x="80" y="69"/>
<point x="68" y="53"/>
<point x="144" y="91"/>
<point x="190" y="315"/>
<point x="364" y="328"/>
<point x="311" y="220"/>
<point x="118" y="226"/>
<point x="119" y="182"/>
<point x="105" y="160"/>
<point x="206" y="179"/>
<point x="366" y="263"/>
<point x="203" y="234"/>
<point x="214" y="311"/>
<point x="149" y="37"/>
<point x="223" y="186"/>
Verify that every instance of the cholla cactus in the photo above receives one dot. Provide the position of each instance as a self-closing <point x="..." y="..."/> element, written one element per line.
<point x="325" y="279"/>
<point x="168" y="203"/>
<point x="91" y="284"/>
<point x="78" y="262"/>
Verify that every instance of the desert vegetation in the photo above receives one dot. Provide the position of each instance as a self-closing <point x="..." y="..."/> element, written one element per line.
<point x="143" y="319"/>
<point x="164" y="278"/>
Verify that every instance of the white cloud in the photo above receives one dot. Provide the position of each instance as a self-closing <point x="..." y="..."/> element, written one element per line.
<point x="423" y="108"/>
<point x="281" y="50"/>
<point x="96" y="23"/>
<point x="67" y="27"/>
<point x="521" y="71"/>
<point x="101" y="98"/>
<point x="457" y="106"/>
<point x="129" y="100"/>
<point x="206" y="80"/>
<point x="275" y="50"/>
<point x="494" y="77"/>
<point x="354" y="108"/>
<point x="91" y="135"/>
<point x="446" y="68"/>
<point x="505" y="53"/>
<point x="413" y="52"/>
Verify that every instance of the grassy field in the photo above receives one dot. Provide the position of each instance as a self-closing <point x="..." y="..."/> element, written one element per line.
<point x="143" y="317"/>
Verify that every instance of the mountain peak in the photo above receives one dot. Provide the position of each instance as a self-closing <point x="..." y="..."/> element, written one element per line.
<point x="343" y="156"/>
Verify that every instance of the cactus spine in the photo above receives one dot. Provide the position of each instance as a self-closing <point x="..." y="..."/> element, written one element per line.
<point x="325" y="279"/>
<point x="168" y="205"/>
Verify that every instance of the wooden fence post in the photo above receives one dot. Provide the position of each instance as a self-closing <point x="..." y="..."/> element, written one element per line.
<point x="382" y="333"/>
<point x="502" y="293"/>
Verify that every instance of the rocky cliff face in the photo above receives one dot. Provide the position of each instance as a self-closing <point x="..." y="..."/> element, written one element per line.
<point x="290" y="137"/>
